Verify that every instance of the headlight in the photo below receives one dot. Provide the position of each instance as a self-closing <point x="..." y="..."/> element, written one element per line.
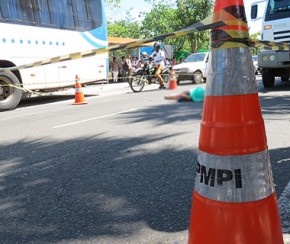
<point x="265" y="58"/>
<point x="272" y="58"/>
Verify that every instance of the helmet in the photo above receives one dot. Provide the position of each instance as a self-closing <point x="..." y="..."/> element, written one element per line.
<point x="144" y="54"/>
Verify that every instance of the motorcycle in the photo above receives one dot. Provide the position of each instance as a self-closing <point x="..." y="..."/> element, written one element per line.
<point x="145" y="75"/>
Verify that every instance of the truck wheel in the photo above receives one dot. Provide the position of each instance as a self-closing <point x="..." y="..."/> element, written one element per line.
<point x="10" y="95"/>
<point x="268" y="78"/>
<point x="198" y="77"/>
<point x="284" y="78"/>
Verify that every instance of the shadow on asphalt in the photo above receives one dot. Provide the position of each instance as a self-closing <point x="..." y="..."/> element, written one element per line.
<point x="76" y="191"/>
<point x="35" y="101"/>
<point x="54" y="191"/>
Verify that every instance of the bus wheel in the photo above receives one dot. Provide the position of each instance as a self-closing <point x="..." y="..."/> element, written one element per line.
<point x="268" y="78"/>
<point x="10" y="92"/>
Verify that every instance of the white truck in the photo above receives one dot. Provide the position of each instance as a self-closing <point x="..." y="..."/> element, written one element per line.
<point x="276" y="28"/>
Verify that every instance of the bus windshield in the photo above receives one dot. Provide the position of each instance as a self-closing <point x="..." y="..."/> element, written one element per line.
<point x="278" y="9"/>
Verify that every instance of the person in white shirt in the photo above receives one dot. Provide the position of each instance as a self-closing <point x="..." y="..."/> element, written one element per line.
<point x="158" y="57"/>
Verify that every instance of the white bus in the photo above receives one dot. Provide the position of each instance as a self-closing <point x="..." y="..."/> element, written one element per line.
<point x="35" y="30"/>
<point x="276" y="27"/>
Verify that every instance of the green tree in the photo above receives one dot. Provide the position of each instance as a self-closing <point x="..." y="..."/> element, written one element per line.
<point x="162" y="20"/>
<point x="255" y="36"/>
<point x="158" y="21"/>
<point x="176" y="15"/>
<point x="190" y="12"/>
<point x="165" y="17"/>
<point x="124" y="28"/>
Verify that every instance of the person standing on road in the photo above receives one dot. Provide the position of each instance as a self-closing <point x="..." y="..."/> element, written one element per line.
<point x="158" y="58"/>
<point x="115" y="69"/>
<point x="129" y="63"/>
<point x="125" y="68"/>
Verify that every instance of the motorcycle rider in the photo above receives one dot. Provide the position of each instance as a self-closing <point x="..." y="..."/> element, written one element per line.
<point x="158" y="57"/>
<point x="144" y="57"/>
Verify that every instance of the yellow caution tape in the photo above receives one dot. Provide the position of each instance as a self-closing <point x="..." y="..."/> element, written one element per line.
<point x="217" y="21"/>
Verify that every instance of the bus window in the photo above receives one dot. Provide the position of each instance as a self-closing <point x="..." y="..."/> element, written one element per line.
<point x="61" y="14"/>
<point x="4" y="10"/>
<point x="26" y="10"/>
<point x="89" y="14"/>
<point x="42" y="12"/>
<point x="14" y="10"/>
<point x="68" y="14"/>
<point x="56" y="13"/>
<point x="95" y="13"/>
<point x="82" y="21"/>
<point x="17" y="11"/>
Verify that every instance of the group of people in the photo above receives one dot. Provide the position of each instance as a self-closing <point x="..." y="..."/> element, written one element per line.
<point x="124" y="69"/>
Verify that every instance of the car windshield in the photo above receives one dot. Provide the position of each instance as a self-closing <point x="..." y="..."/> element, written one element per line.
<point x="255" y="58"/>
<point x="197" y="57"/>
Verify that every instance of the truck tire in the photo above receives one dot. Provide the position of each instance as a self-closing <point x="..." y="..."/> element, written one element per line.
<point x="198" y="77"/>
<point x="268" y="78"/>
<point x="284" y="78"/>
<point x="10" y="91"/>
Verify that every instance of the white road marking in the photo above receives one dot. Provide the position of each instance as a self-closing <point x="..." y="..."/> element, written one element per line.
<point x="95" y="118"/>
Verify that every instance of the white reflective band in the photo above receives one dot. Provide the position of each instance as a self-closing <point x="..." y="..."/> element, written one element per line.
<point x="78" y="89"/>
<point x="242" y="178"/>
<point x="230" y="72"/>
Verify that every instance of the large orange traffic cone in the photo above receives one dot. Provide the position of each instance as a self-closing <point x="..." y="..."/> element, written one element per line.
<point x="234" y="200"/>
<point x="173" y="80"/>
<point x="79" y="95"/>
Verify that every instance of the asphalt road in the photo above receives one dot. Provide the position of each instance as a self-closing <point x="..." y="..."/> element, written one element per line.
<point x="119" y="169"/>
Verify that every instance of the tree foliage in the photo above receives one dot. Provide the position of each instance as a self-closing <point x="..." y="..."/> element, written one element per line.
<point x="190" y="12"/>
<point x="165" y="17"/>
<point x="124" y="29"/>
<point x="158" y="21"/>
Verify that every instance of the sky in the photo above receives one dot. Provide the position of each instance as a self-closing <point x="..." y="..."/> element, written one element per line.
<point x="135" y="7"/>
<point x="138" y="6"/>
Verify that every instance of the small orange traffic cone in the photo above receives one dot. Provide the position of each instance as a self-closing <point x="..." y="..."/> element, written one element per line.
<point x="79" y="95"/>
<point x="234" y="199"/>
<point x="173" y="80"/>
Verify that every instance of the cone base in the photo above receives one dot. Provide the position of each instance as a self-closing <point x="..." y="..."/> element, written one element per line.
<point x="172" y="85"/>
<point x="236" y="223"/>
<point x="80" y="103"/>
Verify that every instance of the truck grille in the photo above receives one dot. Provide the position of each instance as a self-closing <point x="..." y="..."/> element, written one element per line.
<point x="282" y="36"/>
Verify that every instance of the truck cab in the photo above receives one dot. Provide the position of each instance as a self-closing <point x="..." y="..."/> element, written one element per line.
<point x="275" y="28"/>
